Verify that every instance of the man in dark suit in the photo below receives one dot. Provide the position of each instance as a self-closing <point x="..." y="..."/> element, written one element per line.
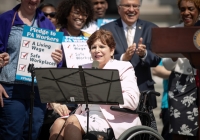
<point x="139" y="51"/>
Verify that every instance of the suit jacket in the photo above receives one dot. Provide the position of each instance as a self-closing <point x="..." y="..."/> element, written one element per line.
<point x="142" y="68"/>
<point x="122" y="121"/>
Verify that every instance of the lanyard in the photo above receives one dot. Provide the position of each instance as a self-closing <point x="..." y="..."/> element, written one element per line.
<point x="15" y="17"/>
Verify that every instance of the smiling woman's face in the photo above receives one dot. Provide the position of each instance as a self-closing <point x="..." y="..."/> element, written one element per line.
<point x="101" y="53"/>
<point x="189" y="13"/>
<point x="76" y="19"/>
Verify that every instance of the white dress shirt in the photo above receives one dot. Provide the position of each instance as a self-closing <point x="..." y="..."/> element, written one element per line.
<point x="133" y="35"/>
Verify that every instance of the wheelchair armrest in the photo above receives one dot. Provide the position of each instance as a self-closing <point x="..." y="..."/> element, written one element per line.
<point x="150" y="92"/>
<point x="124" y="110"/>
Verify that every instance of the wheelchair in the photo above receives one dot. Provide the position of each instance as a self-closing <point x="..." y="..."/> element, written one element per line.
<point x="148" y="129"/>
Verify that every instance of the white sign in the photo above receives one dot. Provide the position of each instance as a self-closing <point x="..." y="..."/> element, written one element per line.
<point x="36" y="48"/>
<point x="101" y="22"/>
<point x="76" y="51"/>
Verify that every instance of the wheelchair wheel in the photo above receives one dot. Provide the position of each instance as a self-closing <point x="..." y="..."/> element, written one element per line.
<point x="140" y="133"/>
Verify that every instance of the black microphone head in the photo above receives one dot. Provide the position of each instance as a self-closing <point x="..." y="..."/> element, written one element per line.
<point x="95" y="64"/>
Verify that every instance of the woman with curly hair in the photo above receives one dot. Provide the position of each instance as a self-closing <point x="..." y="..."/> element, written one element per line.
<point x="182" y="87"/>
<point x="72" y="16"/>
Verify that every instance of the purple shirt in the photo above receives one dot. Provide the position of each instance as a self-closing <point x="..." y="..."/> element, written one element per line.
<point x="7" y="20"/>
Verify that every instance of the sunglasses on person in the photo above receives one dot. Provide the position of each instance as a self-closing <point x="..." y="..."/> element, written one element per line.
<point x="52" y="14"/>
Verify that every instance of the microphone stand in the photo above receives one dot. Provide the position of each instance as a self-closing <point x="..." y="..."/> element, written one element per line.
<point x="31" y="70"/>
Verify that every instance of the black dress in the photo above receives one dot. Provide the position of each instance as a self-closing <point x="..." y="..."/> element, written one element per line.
<point x="182" y="104"/>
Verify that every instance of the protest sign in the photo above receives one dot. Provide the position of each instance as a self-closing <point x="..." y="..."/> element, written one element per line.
<point x="37" y="45"/>
<point x="101" y="22"/>
<point x="76" y="51"/>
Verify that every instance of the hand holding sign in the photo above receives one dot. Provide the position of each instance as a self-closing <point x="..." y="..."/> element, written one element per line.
<point x="4" y="59"/>
<point x="57" y="55"/>
<point x="40" y="47"/>
<point x="76" y="51"/>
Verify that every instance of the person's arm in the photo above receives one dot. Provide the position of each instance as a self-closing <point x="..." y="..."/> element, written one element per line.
<point x="161" y="72"/>
<point x="57" y="55"/>
<point x="61" y="109"/>
<point x="149" y="59"/>
<point x="4" y="34"/>
<point x="169" y="63"/>
<point x="130" y="90"/>
<point x="2" y="94"/>
<point x="4" y="59"/>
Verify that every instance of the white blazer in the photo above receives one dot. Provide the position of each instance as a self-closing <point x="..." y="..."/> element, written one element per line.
<point x="117" y="120"/>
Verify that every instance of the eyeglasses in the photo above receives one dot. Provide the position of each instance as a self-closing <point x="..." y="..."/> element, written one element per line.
<point x="77" y="14"/>
<point x="128" y="6"/>
<point x="52" y="14"/>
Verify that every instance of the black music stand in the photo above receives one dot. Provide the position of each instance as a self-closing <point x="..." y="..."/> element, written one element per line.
<point x="78" y="85"/>
<point x="31" y="69"/>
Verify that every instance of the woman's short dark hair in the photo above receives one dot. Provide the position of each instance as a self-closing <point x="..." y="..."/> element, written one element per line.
<point x="64" y="9"/>
<point x="196" y="3"/>
<point x="104" y="36"/>
<point x="43" y="5"/>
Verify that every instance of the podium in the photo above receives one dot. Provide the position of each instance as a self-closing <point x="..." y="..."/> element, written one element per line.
<point x="179" y="42"/>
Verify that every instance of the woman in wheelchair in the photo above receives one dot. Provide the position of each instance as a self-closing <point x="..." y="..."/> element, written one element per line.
<point x="102" y="47"/>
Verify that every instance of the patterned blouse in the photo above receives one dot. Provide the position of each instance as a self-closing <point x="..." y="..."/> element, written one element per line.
<point x="198" y="79"/>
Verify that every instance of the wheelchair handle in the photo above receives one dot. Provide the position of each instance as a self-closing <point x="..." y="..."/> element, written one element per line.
<point x="124" y="110"/>
<point x="150" y="92"/>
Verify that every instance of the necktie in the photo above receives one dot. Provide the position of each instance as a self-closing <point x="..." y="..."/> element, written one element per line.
<point x="129" y="37"/>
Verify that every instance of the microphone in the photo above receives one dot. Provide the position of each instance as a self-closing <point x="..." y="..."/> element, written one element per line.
<point x="95" y="64"/>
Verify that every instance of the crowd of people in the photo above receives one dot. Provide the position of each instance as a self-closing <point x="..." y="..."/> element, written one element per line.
<point x="123" y="44"/>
